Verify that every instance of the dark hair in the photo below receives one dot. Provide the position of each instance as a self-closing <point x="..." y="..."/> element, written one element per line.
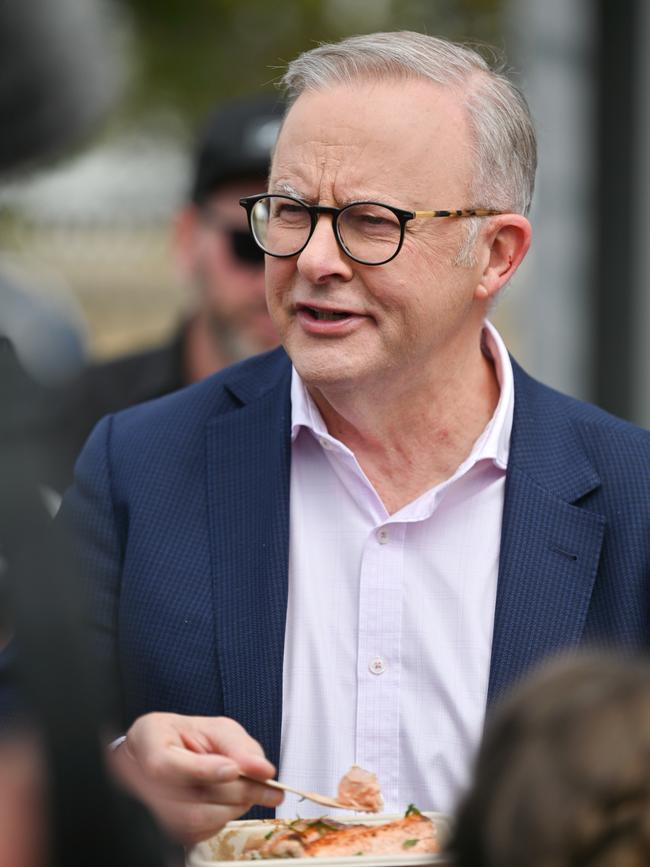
<point x="563" y="774"/>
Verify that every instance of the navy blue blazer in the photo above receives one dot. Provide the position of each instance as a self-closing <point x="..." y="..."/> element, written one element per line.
<point x="183" y="508"/>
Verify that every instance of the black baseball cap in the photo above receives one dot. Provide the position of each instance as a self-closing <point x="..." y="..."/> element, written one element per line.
<point x="235" y="142"/>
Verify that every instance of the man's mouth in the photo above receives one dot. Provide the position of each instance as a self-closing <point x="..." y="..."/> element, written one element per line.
<point x="326" y="315"/>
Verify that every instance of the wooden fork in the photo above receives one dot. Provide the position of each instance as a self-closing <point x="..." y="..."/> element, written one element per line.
<point x="325" y="801"/>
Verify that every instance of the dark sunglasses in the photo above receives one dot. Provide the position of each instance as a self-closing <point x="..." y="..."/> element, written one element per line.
<point x="243" y="246"/>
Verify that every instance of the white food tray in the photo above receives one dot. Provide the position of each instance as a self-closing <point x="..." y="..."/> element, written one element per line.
<point x="226" y="847"/>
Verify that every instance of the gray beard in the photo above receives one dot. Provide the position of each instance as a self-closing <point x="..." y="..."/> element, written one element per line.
<point x="227" y="341"/>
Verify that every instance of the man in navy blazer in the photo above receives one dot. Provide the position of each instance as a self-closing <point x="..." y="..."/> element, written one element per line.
<point x="183" y="504"/>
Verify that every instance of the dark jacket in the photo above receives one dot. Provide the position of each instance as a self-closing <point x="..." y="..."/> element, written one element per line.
<point x="58" y="421"/>
<point x="182" y="505"/>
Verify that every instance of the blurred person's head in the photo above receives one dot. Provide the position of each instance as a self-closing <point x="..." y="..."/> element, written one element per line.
<point x="63" y="68"/>
<point x="217" y="254"/>
<point x="563" y="774"/>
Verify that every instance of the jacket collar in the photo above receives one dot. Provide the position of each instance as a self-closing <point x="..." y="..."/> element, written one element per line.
<point x="551" y="536"/>
<point x="250" y="380"/>
<point x="546" y="443"/>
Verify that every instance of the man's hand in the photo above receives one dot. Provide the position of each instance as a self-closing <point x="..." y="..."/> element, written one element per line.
<point x="186" y="770"/>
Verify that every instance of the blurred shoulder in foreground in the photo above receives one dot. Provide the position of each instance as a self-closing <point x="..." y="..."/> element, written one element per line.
<point x="563" y="774"/>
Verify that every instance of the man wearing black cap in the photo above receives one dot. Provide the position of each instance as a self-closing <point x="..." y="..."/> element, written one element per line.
<point x="228" y="319"/>
<point x="213" y="242"/>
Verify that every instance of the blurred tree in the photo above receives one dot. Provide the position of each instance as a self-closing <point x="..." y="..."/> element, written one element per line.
<point x="189" y="55"/>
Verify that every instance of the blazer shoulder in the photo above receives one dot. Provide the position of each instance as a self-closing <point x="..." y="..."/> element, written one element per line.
<point x="221" y="392"/>
<point x="177" y="421"/>
<point x="611" y="441"/>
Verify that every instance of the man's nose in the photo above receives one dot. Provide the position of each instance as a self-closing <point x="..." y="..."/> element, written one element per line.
<point x="323" y="258"/>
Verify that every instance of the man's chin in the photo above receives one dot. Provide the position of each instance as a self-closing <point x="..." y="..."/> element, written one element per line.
<point x="328" y="374"/>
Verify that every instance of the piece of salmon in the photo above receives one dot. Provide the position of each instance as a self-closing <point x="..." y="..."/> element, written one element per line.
<point x="325" y="838"/>
<point x="411" y="835"/>
<point x="359" y="789"/>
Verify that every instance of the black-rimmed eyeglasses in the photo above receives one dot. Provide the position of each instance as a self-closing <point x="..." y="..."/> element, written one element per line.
<point x="368" y="232"/>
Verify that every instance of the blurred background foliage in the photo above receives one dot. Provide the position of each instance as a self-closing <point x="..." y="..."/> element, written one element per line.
<point x="92" y="232"/>
<point x="189" y="54"/>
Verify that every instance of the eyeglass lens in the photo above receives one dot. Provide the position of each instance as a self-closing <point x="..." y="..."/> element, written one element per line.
<point x="368" y="232"/>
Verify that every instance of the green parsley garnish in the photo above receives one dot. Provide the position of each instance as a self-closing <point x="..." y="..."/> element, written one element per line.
<point x="412" y="810"/>
<point x="321" y="826"/>
<point x="358" y="853"/>
<point x="270" y="834"/>
<point x="408" y="843"/>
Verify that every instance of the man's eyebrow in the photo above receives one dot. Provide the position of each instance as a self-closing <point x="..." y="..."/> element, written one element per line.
<point x="282" y="187"/>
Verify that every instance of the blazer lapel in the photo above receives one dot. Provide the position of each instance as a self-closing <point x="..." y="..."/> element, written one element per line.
<point x="550" y="546"/>
<point x="248" y="471"/>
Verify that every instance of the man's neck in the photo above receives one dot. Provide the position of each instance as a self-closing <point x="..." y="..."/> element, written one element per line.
<point x="410" y="438"/>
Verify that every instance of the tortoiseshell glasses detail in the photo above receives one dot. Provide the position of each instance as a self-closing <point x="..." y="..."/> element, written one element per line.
<point x="368" y="232"/>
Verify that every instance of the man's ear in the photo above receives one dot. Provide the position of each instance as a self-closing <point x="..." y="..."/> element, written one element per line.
<point x="504" y="247"/>
<point x="185" y="238"/>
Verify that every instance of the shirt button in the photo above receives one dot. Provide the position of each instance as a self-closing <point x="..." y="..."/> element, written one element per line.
<point x="326" y="444"/>
<point x="383" y="536"/>
<point x="377" y="665"/>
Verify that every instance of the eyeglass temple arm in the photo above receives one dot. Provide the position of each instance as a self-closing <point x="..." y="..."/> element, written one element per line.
<point x="461" y="212"/>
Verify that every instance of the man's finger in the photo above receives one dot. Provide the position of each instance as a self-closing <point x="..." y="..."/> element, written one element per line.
<point x="226" y="737"/>
<point x="241" y="793"/>
<point x="177" y="766"/>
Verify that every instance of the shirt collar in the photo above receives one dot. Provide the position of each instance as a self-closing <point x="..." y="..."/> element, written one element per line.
<point x="494" y="442"/>
<point x="304" y="412"/>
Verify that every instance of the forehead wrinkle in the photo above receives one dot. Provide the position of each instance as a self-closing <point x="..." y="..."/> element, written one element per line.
<point x="309" y="168"/>
<point x="343" y="125"/>
<point x="328" y="187"/>
<point x="364" y="167"/>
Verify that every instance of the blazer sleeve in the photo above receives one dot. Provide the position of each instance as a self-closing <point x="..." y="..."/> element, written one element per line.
<point x="98" y="526"/>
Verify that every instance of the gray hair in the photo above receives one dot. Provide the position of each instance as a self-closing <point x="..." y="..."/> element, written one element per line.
<point x="504" y="141"/>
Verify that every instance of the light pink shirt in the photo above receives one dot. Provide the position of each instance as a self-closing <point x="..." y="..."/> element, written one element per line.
<point x="390" y="617"/>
